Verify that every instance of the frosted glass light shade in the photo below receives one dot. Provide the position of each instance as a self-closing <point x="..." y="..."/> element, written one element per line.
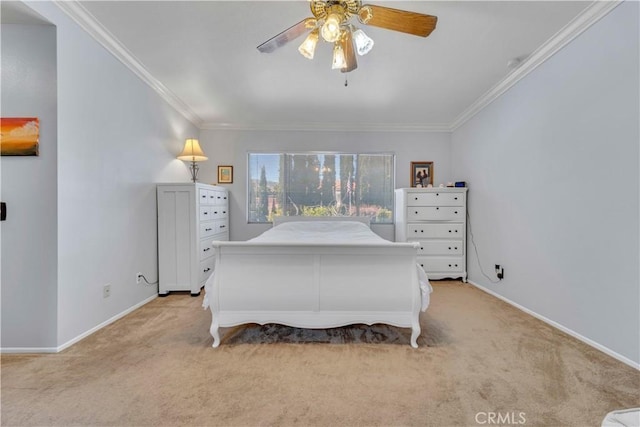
<point x="339" y="60"/>
<point x="192" y="151"/>
<point x="364" y="43"/>
<point x="308" y="46"/>
<point x="331" y="28"/>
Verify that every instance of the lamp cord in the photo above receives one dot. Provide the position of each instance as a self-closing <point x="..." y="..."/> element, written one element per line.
<point x="475" y="249"/>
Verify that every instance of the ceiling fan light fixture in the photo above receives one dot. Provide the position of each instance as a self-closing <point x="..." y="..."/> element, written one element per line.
<point x="339" y="60"/>
<point x="331" y="27"/>
<point x="364" y="43"/>
<point x="308" y="46"/>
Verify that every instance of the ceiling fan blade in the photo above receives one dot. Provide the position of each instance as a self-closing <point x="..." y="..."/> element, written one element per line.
<point x="287" y="35"/>
<point x="414" y="23"/>
<point x="349" y="53"/>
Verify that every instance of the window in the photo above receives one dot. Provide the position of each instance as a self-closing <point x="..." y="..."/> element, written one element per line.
<point x="321" y="184"/>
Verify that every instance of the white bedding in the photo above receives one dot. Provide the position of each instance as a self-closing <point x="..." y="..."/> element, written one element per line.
<point x="320" y="232"/>
<point x="330" y="233"/>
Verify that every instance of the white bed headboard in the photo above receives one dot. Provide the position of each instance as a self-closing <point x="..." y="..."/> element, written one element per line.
<point x="281" y="219"/>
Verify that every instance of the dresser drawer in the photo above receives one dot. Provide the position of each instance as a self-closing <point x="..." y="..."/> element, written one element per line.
<point x="438" y="231"/>
<point x="440" y="247"/>
<point x="206" y="268"/>
<point x="435" y="213"/>
<point x="206" y="248"/>
<point x="205" y="213"/>
<point x="220" y="197"/>
<point x="207" y="229"/>
<point x="218" y="212"/>
<point x="445" y="265"/>
<point x="203" y="197"/>
<point x="435" y="199"/>
<point x="221" y="226"/>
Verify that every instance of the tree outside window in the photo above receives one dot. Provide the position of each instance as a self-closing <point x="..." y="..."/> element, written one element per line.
<point x="321" y="184"/>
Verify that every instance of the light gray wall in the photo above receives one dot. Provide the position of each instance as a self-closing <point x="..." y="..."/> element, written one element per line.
<point x="231" y="148"/>
<point x="28" y="186"/>
<point x="116" y="139"/>
<point x="552" y="167"/>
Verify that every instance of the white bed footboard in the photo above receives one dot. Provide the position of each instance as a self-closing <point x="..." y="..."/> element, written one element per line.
<point x="314" y="285"/>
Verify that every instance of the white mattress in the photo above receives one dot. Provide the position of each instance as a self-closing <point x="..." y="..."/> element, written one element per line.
<point x="334" y="232"/>
<point x="331" y="233"/>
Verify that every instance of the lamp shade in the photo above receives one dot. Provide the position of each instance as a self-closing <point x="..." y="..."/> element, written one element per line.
<point x="331" y="29"/>
<point x="192" y="151"/>
<point x="308" y="46"/>
<point x="364" y="43"/>
<point x="339" y="60"/>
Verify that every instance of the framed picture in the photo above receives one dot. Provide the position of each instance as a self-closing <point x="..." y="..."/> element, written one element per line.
<point x="421" y="174"/>
<point x="225" y="174"/>
<point x="19" y="136"/>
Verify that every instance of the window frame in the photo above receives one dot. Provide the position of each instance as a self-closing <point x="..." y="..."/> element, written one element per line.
<point x="311" y="153"/>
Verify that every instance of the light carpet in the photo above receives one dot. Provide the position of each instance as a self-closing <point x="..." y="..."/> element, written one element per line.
<point x="478" y="356"/>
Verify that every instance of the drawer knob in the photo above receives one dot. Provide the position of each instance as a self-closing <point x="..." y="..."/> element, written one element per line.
<point x="416" y="212"/>
<point x="206" y="249"/>
<point x="449" y="231"/>
<point x="216" y="212"/>
<point x="415" y="198"/>
<point x="208" y="229"/>
<point x="449" y="265"/>
<point x="206" y="270"/>
<point x="449" y="247"/>
<point x="438" y="208"/>
<point x="225" y="197"/>
<point x="455" y="212"/>
<point x="455" y="198"/>
<point x="437" y="194"/>
<point x="222" y="226"/>
<point x="205" y="213"/>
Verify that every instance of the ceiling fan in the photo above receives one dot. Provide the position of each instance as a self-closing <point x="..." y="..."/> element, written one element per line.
<point x="331" y="20"/>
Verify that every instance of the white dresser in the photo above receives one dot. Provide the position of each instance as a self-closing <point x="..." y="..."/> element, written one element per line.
<point x="190" y="217"/>
<point x="437" y="219"/>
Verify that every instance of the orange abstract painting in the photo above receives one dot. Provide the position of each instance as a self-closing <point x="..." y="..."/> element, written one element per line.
<point x="19" y="136"/>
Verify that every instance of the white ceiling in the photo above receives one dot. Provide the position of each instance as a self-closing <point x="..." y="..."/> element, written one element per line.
<point x="204" y="54"/>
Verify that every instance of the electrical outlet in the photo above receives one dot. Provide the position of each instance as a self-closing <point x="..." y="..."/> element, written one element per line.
<point x="106" y="291"/>
<point x="499" y="272"/>
<point x="139" y="278"/>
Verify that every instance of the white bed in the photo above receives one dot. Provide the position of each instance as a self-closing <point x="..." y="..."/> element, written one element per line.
<point x="317" y="273"/>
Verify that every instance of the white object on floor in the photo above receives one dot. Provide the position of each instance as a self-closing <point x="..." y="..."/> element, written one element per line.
<point x="622" y="418"/>
<point x="316" y="274"/>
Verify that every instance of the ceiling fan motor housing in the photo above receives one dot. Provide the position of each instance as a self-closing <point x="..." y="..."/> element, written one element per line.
<point x="322" y="9"/>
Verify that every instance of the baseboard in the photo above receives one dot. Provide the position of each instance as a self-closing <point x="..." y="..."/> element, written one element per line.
<point x="106" y="323"/>
<point x="28" y="350"/>
<point x="36" y="350"/>
<point x="564" y="329"/>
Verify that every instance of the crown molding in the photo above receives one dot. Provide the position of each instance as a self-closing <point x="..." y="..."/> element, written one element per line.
<point x="329" y="127"/>
<point x="592" y="14"/>
<point x="80" y="15"/>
